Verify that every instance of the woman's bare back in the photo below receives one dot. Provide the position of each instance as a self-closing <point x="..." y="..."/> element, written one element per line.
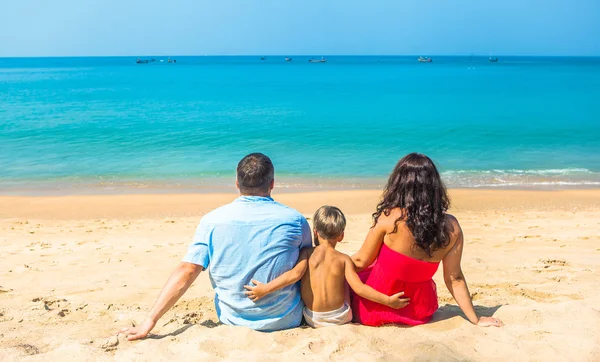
<point x="403" y="241"/>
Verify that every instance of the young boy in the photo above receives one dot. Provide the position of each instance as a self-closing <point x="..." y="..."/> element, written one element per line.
<point x="324" y="272"/>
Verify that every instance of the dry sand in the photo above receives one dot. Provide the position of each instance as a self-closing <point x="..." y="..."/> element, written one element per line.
<point x="75" y="269"/>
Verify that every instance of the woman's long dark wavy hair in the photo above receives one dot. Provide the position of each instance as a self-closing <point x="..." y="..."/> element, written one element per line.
<point x="415" y="186"/>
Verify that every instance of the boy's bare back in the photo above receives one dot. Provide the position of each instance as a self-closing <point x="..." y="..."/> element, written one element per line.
<point x="324" y="283"/>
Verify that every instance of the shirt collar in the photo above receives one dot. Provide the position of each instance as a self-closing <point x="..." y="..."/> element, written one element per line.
<point x="254" y="199"/>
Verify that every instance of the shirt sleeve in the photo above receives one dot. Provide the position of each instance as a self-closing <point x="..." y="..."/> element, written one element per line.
<point x="198" y="251"/>
<point x="306" y="238"/>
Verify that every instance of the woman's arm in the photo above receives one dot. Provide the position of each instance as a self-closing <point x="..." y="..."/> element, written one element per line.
<point x="393" y="301"/>
<point x="456" y="283"/>
<point x="369" y="250"/>
<point x="259" y="290"/>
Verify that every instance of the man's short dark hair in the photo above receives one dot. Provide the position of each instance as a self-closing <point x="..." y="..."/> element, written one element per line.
<point x="255" y="173"/>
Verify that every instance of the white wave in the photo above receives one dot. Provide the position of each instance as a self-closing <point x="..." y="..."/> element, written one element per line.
<point x="557" y="171"/>
<point x="460" y="172"/>
<point x="544" y="183"/>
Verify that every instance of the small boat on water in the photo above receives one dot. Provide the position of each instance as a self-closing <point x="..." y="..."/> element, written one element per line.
<point x="288" y="59"/>
<point x="425" y="60"/>
<point x="263" y="58"/>
<point x="141" y="61"/>
<point x="322" y="60"/>
<point x="493" y="60"/>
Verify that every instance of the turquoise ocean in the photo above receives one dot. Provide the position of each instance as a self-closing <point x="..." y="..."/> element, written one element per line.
<point x="107" y="124"/>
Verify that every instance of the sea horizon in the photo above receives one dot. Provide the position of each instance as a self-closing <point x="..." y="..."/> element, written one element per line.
<point x="283" y="55"/>
<point x="107" y="124"/>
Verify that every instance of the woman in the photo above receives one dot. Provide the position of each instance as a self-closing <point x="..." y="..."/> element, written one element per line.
<point x="411" y="234"/>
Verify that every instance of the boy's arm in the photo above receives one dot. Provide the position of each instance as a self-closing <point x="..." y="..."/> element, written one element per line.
<point x="395" y="301"/>
<point x="259" y="290"/>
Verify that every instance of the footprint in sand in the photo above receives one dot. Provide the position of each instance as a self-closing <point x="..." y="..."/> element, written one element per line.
<point x="538" y="335"/>
<point x="61" y="307"/>
<point x="529" y="236"/>
<point x="215" y="348"/>
<point x="379" y="344"/>
<point x="558" y="262"/>
<point x="316" y="346"/>
<point x="436" y="351"/>
<point x="287" y="338"/>
<point x="548" y="265"/>
<point x="4" y="317"/>
<point x="341" y="347"/>
<point x="532" y="317"/>
<point x="191" y="318"/>
<point x="106" y="344"/>
<point x="514" y="290"/>
<point x="29" y="349"/>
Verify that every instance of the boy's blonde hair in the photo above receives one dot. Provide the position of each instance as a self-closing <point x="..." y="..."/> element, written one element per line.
<point x="329" y="222"/>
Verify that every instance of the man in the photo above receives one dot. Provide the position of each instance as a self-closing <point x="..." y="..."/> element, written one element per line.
<point x="254" y="237"/>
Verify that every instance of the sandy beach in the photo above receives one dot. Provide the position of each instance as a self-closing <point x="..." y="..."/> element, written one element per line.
<point x="75" y="269"/>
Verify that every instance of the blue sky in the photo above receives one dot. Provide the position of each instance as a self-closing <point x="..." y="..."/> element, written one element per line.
<point x="247" y="27"/>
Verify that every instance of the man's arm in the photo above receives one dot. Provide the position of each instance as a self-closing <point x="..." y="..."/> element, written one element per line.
<point x="306" y="240"/>
<point x="259" y="290"/>
<point x="180" y="280"/>
<point x="195" y="261"/>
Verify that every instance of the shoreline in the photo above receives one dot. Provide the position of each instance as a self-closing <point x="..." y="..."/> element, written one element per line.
<point x="350" y="201"/>
<point x="512" y="179"/>
<point x="227" y="185"/>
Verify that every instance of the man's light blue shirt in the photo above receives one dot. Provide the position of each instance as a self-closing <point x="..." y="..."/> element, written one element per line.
<point x="252" y="238"/>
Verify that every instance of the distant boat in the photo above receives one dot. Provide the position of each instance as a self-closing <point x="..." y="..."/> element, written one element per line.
<point x="493" y="60"/>
<point x="425" y="60"/>
<point x="172" y="60"/>
<point x="322" y="60"/>
<point x="288" y="59"/>
<point x="141" y="61"/>
<point x="263" y="58"/>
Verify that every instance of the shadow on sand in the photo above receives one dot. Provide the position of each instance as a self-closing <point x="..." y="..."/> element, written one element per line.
<point x="449" y="311"/>
<point x="206" y="324"/>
